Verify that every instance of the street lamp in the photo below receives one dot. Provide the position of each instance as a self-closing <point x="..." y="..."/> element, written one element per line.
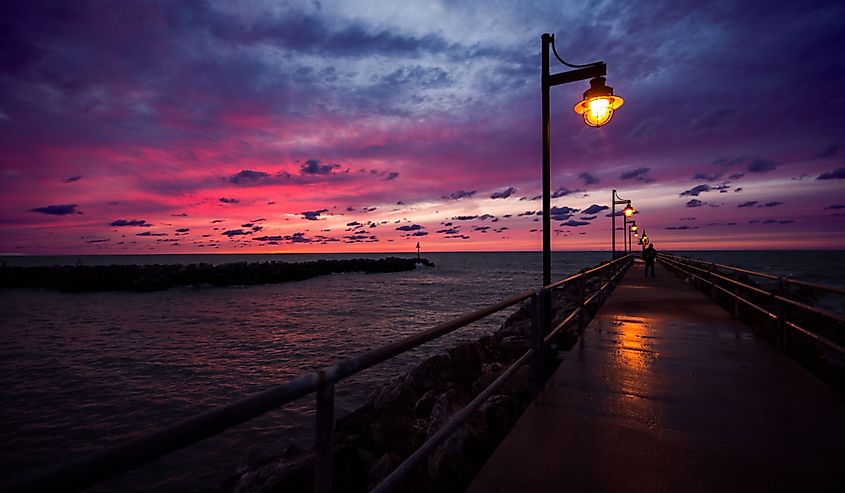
<point x="631" y="230"/>
<point x="628" y="211"/>
<point x="597" y="108"/>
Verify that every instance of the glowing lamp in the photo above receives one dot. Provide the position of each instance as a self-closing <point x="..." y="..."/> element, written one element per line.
<point x="634" y="227"/>
<point x="598" y="104"/>
<point x="628" y="210"/>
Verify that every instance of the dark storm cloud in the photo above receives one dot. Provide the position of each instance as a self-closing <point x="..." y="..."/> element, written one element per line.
<point x="409" y="227"/>
<point x="640" y="174"/>
<point x="761" y="166"/>
<point x="57" y="210"/>
<point x="837" y="174"/>
<point x="595" y="209"/>
<point x="313" y="215"/>
<point x="503" y="194"/>
<point x="248" y="175"/>
<point x="750" y="203"/>
<point x="459" y="195"/>
<point x="588" y="179"/>
<point x="226" y="200"/>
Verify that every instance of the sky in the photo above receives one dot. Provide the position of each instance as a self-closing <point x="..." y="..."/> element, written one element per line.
<point x="370" y="125"/>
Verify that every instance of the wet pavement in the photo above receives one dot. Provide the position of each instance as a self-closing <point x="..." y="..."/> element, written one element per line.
<point x="666" y="392"/>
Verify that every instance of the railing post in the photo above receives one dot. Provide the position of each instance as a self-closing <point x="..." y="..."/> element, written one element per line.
<point x="736" y="295"/>
<point x="581" y="297"/>
<point x="781" y="312"/>
<point x="323" y="441"/>
<point x="537" y="325"/>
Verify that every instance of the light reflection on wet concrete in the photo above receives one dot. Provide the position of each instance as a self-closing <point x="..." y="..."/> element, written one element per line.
<point x="665" y="392"/>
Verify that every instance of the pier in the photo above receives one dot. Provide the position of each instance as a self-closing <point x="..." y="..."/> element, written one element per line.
<point x="666" y="391"/>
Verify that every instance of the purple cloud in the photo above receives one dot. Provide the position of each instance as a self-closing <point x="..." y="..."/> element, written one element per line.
<point x="837" y="174"/>
<point x="57" y="210"/>
<point x="503" y="194"/>
<point x="130" y="222"/>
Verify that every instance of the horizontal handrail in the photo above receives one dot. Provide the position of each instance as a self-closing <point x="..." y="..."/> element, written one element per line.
<point x="84" y="472"/>
<point x="687" y="266"/>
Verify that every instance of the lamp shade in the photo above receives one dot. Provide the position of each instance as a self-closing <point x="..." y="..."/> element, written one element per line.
<point x="598" y="104"/>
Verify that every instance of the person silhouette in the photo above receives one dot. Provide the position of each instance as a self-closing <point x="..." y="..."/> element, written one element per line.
<point x="650" y="256"/>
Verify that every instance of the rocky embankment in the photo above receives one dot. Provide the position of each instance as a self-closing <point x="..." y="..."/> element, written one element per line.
<point x="82" y="278"/>
<point x="401" y="415"/>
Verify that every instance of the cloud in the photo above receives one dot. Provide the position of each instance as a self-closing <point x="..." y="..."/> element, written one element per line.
<point x="707" y="176"/>
<point x="829" y="151"/>
<point x="130" y="222"/>
<point x="695" y="191"/>
<point x="57" y="210"/>
<point x="563" y="192"/>
<point x="228" y="200"/>
<point x="771" y="204"/>
<point x="562" y="213"/>
<point x="503" y="194"/>
<point x="685" y="226"/>
<point x="588" y="178"/>
<point x="313" y="215"/>
<point x="409" y="227"/>
<point x="595" y="209"/>
<point x="235" y="232"/>
<point x="835" y="206"/>
<point x="391" y="176"/>
<point x="248" y="175"/>
<point x="72" y="179"/>
<point x="640" y="174"/>
<point x="761" y="166"/>
<point x="314" y="167"/>
<point x="464" y="218"/>
<point x="574" y="223"/>
<point x="418" y="233"/>
<point x="183" y="230"/>
<point x="150" y="233"/>
<point x="459" y="195"/>
<point x="837" y="174"/>
<point x="750" y="203"/>
<point x="695" y="203"/>
<point x="736" y="176"/>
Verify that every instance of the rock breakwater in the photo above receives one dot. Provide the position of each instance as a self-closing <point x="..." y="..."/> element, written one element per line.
<point x="82" y="278"/>
<point x="401" y="415"/>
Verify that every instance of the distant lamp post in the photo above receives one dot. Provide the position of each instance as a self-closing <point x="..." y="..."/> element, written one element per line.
<point x="644" y="240"/>
<point x="628" y="211"/>
<point x="631" y="230"/>
<point x="418" y="250"/>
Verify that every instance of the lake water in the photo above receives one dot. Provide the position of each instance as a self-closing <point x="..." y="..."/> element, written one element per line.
<point x="81" y="371"/>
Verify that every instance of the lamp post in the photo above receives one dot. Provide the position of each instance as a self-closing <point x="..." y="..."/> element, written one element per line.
<point x="631" y="230"/>
<point x="615" y="200"/>
<point x="596" y="107"/>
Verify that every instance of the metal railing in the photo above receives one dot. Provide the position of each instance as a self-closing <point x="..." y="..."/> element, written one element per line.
<point x="85" y="472"/>
<point x="776" y="304"/>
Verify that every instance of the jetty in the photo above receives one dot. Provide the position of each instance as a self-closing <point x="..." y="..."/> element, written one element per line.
<point x="666" y="391"/>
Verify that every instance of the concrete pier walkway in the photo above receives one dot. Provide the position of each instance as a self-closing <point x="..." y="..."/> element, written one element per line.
<point x="666" y="392"/>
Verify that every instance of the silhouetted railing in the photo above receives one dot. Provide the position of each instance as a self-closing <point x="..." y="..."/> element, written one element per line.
<point x="779" y="304"/>
<point x="108" y="463"/>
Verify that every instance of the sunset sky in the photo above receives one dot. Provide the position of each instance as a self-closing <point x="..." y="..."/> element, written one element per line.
<point x="369" y="125"/>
